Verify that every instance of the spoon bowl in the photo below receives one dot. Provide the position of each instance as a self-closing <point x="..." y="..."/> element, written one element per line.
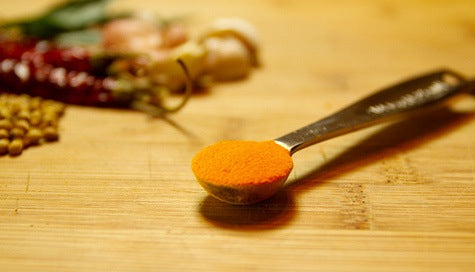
<point x="243" y="194"/>
<point x="242" y="172"/>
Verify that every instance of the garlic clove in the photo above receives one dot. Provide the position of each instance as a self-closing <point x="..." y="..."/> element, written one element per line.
<point x="167" y="72"/>
<point x="227" y="58"/>
<point x="238" y="28"/>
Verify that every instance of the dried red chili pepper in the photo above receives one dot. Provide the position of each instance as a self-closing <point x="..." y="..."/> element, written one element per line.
<point x="68" y="75"/>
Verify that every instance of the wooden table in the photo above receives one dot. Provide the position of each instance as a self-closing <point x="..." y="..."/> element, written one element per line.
<point x="116" y="193"/>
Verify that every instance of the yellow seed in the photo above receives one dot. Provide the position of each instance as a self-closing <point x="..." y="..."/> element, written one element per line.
<point x="17" y="132"/>
<point x="4" y="133"/>
<point x="24" y="97"/>
<point x="35" y="103"/>
<point x="15" y="147"/>
<point x="54" y="107"/>
<point x="60" y="108"/>
<point x="50" y="134"/>
<point x="49" y="120"/>
<point x="5" y="124"/>
<point x="4" y="146"/>
<point x="23" y="124"/>
<point x="5" y="113"/>
<point x="35" y="118"/>
<point x="15" y="106"/>
<point x="33" y="137"/>
<point x="24" y="115"/>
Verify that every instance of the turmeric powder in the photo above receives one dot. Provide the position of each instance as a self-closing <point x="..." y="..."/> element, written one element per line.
<point x="234" y="166"/>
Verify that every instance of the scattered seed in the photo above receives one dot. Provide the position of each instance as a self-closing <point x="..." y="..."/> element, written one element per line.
<point x="49" y="120"/>
<point x="22" y="124"/>
<point x="5" y="124"/>
<point x="50" y="134"/>
<point x="35" y="103"/>
<point x="4" y="134"/>
<point x="24" y="115"/>
<point x="4" y="146"/>
<point x="33" y="137"/>
<point x="15" y="107"/>
<point x="27" y="121"/>
<point x="5" y="113"/>
<point x="35" y="118"/>
<point x="17" y="133"/>
<point x="15" y="147"/>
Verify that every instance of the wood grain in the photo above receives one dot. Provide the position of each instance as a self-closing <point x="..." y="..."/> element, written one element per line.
<point x="116" y="193"/>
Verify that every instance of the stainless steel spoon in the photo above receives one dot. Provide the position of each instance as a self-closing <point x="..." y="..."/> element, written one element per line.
<point x="397" y="101"/>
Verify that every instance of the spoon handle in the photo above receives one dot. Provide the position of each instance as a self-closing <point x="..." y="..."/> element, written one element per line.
<point x="395" y="101"/>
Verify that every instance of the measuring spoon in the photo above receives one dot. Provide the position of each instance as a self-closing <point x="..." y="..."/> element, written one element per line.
<point x="398" y="101"/>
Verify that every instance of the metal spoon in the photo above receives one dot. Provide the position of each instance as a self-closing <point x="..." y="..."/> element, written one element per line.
<point x="397" y="101"/>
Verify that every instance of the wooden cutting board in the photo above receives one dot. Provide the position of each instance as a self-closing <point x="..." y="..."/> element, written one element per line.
<point x="116" y="193"/>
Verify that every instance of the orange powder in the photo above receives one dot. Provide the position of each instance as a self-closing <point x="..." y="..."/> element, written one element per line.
<point x="242" y="163"/>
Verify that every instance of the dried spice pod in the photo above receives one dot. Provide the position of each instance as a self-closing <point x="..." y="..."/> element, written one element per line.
<point x="78" y="53"/>
<point x="72" y="76"/>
